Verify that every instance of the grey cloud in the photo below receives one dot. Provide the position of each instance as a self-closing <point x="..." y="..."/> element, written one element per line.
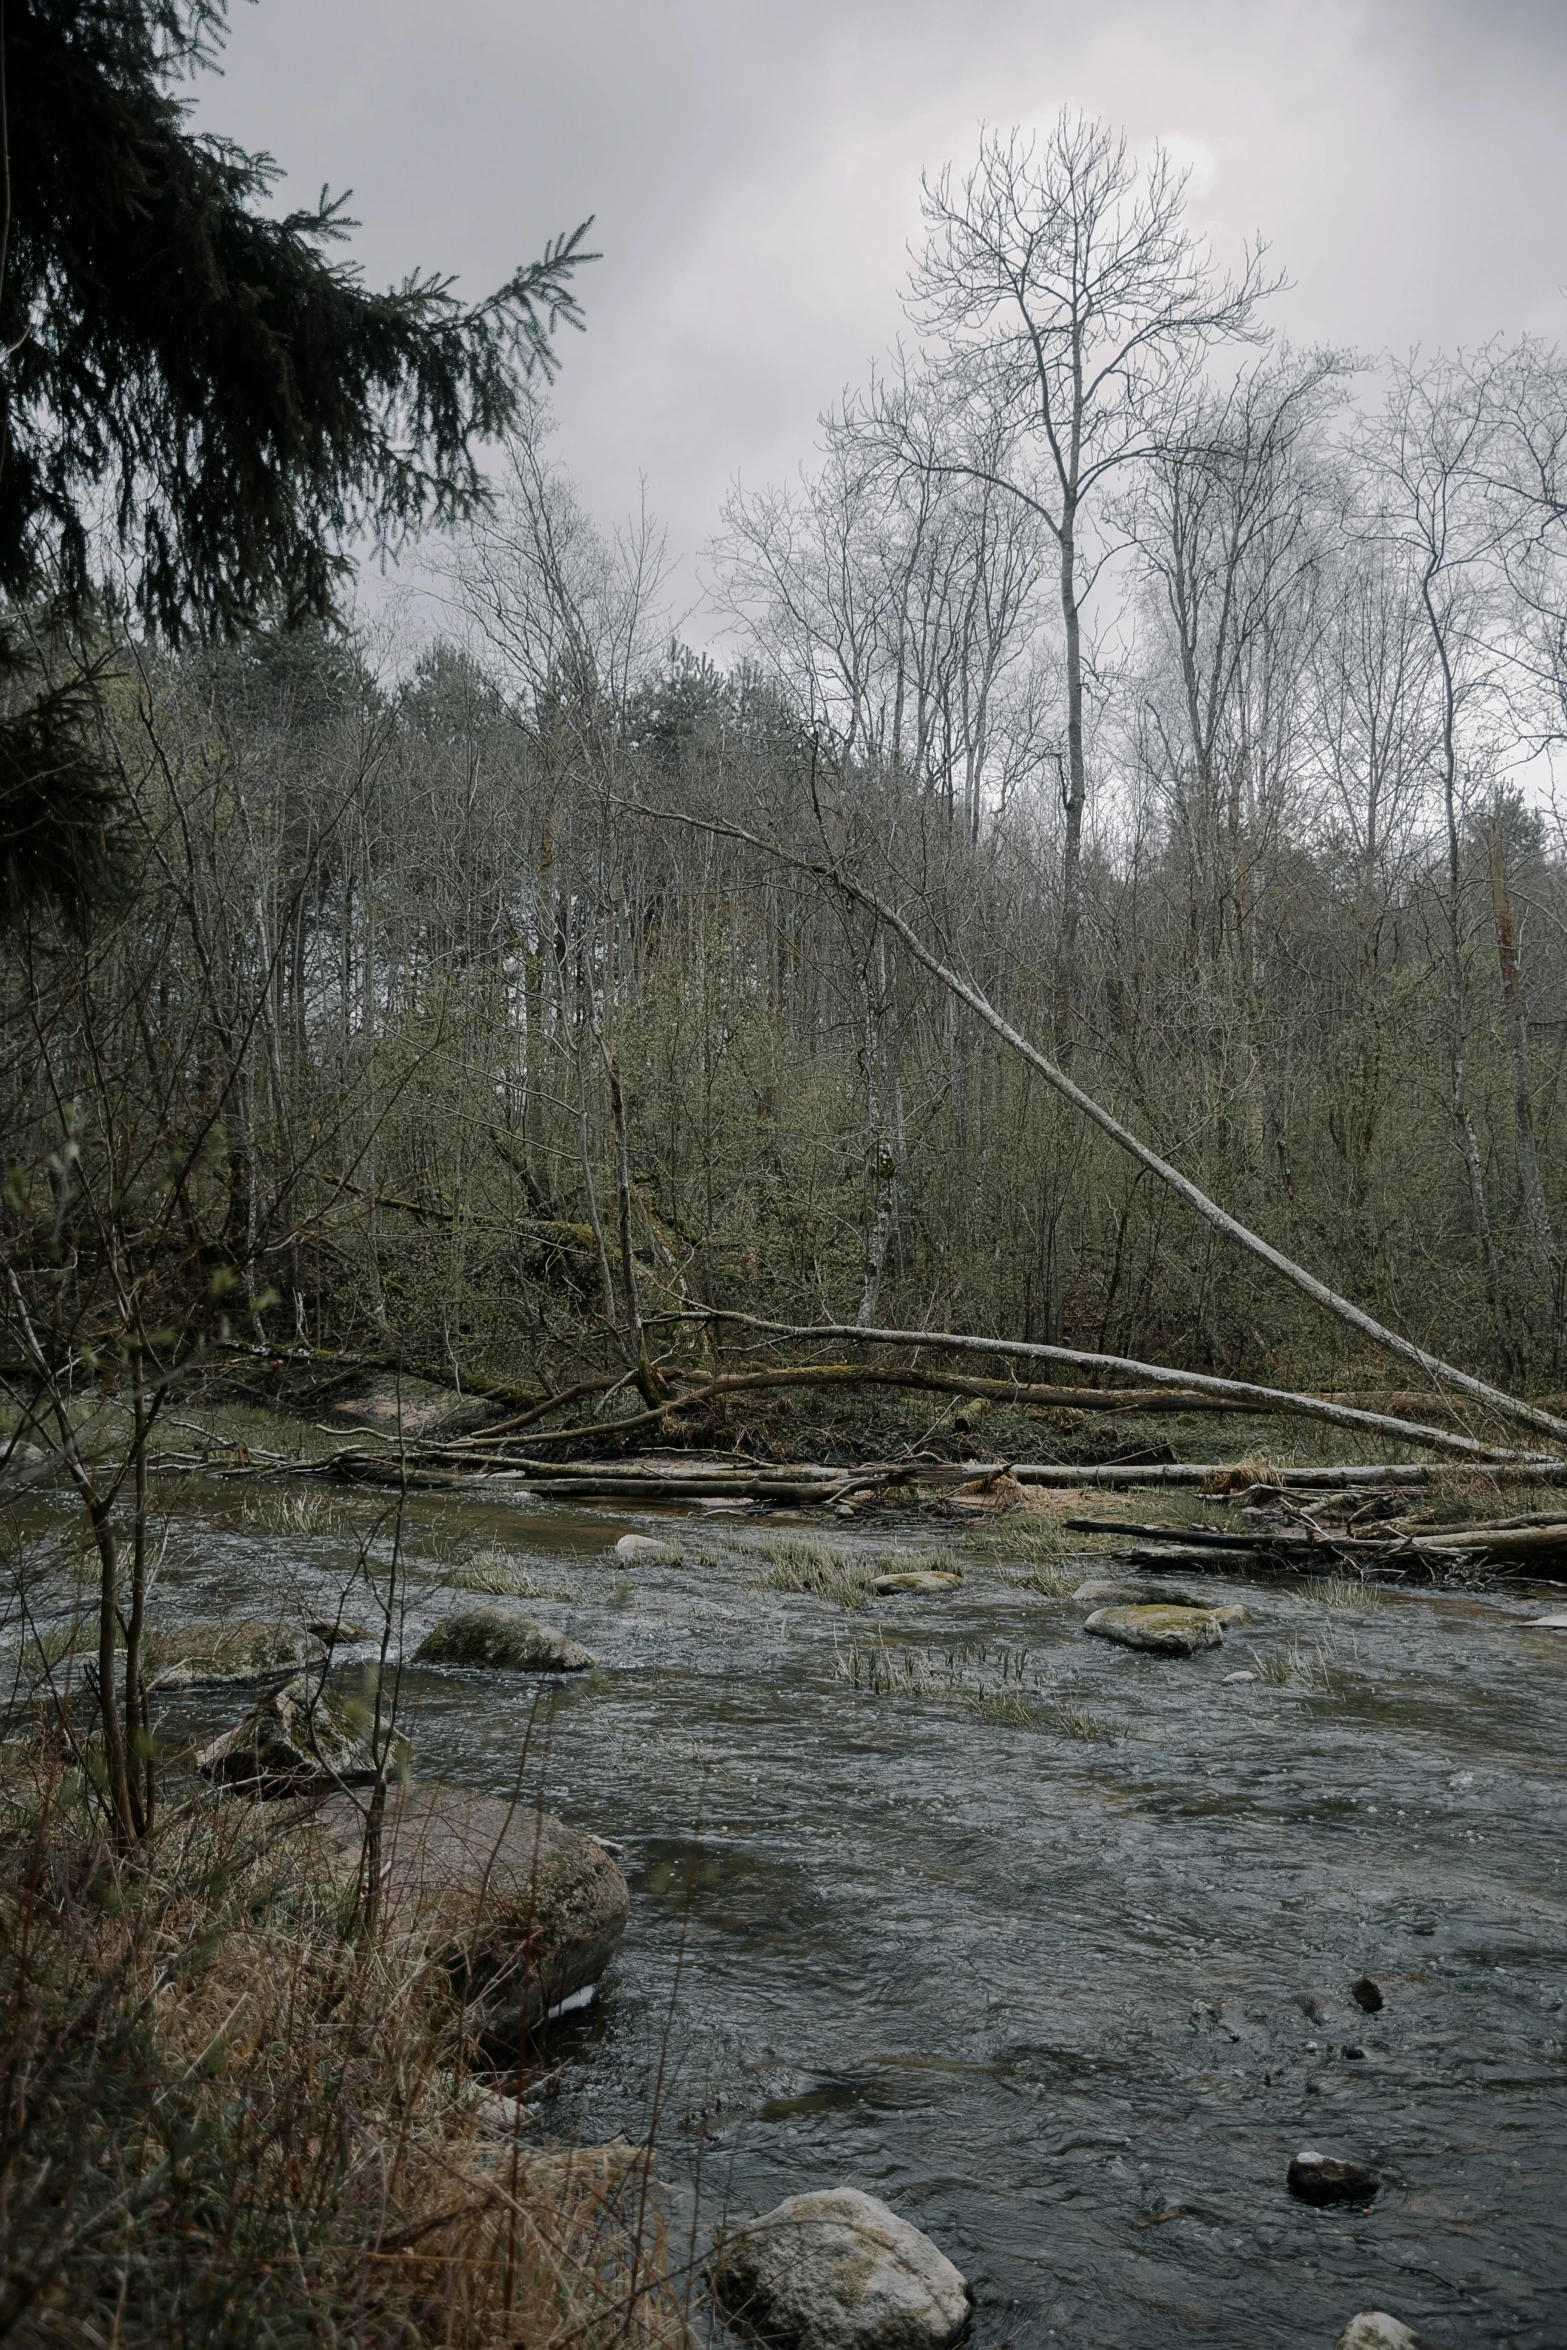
<point x="753" y="168"/>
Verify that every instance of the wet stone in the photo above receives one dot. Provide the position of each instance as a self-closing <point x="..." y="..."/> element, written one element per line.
<point x="839" y="2270"/>
<point x="925" y="1579"/>
<point x="502" y="1639"/>
<point x="1373" y="2329"/>
<point x="299" y="1739"/>
<point x="517" y="1908"/>
<point x="645" y="1550"/>
<point x="1162" y="1631"/>
<point x="1111" y="1594"/>
<point x="1324" y="2179"/>
<point x="1366" y="1993"/>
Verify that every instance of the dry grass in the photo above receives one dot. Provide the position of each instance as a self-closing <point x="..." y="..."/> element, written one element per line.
<point x="227" y="2120"/>
<point x="1074" y="1719"/>
<point x="1051" y="1582"/>
<point x="314" y="1512"/>
<point x="1345" y="1592"/>
<point x="1308" y="1666"/>
<point x="794" y="1563"/>
<point x="1464" y="1496"/>
<point x="494" y="1572"/>
<point x="997" y="1684"/>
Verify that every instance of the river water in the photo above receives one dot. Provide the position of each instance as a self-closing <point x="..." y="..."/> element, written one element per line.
<point x="1052" y="1949"/>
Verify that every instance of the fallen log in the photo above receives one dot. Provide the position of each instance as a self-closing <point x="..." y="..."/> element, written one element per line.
<point x="1242" y="1394"/>
<point x="1196" y="1537"/>
<point x="1307" y="1546"/>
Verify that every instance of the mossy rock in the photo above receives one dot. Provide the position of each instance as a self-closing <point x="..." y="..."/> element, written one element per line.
<point x="1113" y="1594"/>
<point x="240" y="1648"/>
<point x="1162" y="1631"/>
<point x="503" y="1640"/>
<point x="302" y="1738"/>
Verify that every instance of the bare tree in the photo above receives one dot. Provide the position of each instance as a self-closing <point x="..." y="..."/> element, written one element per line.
<point x="1065" y="294"/>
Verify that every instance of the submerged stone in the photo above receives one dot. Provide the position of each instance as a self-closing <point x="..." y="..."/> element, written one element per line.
<point x="502" y="1639"/>
<point x="1323" y="2178"/>
<point x="1366" y="1993"/>
<point x="915" y="1579"/>
<point x="838" y="2270"/>
<point x="1163" y="1631"/>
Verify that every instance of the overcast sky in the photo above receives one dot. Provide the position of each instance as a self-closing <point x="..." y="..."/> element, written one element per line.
<point x="754" y="169"/>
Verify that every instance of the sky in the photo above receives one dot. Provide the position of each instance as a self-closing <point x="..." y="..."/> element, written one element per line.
<point x="753" y="170"/>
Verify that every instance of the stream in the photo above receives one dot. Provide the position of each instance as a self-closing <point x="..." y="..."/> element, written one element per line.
<point x="1047" y="1943"/>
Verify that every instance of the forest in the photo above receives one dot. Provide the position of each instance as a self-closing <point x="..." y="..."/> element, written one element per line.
<point x="480" y="994"/>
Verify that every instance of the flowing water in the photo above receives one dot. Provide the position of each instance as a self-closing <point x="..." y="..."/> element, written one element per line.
<point x="1047" y="1943"/>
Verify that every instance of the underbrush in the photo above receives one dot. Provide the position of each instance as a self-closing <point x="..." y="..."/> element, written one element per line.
<point x="229" y="2119"/>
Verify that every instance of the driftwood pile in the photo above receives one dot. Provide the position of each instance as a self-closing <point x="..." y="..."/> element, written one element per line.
<point x="1370" y="1541"/>
<point x="1356" y="1529"/>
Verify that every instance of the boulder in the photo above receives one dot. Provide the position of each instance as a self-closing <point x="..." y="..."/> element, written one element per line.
<point x="330" y="1630"/>
<point x="1163" y="1631"/>
<point x="837" y="2270"/>
<point x="516" y="1906"/>
<point x="645" y="1550"/>
<point x="1322" y="2178"/>
<point x="914" y="1579"/>
<point x="1373" y="2329"/>
<point x="232" y="1649"/>
<point x="1366" y="1992"/>
<point x="505" y="1640"/>
<point x="299" y="1739"/>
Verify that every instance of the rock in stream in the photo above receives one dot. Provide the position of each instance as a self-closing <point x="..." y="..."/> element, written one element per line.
<point x="300" y="1739"/>
<point x="504" y="1640"/>
<point x="1163" y="1631"/>
<point x="838" y="2270"/>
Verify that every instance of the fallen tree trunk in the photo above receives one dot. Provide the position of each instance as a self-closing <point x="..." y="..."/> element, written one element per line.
<point x="1240" y="1394"/>
<point x="1510" y="1406"/>
<point x="1391" y="1552"/>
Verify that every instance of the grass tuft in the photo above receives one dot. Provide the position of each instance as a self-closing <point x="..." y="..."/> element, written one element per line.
<point x="270" y="1512"/>
<point x="1076" y="1720"/>
<point x="790" y="1563"/>
<point x="495" y="1573"/>
<point x="1345" y="1591"/>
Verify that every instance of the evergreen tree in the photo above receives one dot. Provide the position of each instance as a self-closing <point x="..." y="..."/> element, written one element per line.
<point x="205" y="387"/>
